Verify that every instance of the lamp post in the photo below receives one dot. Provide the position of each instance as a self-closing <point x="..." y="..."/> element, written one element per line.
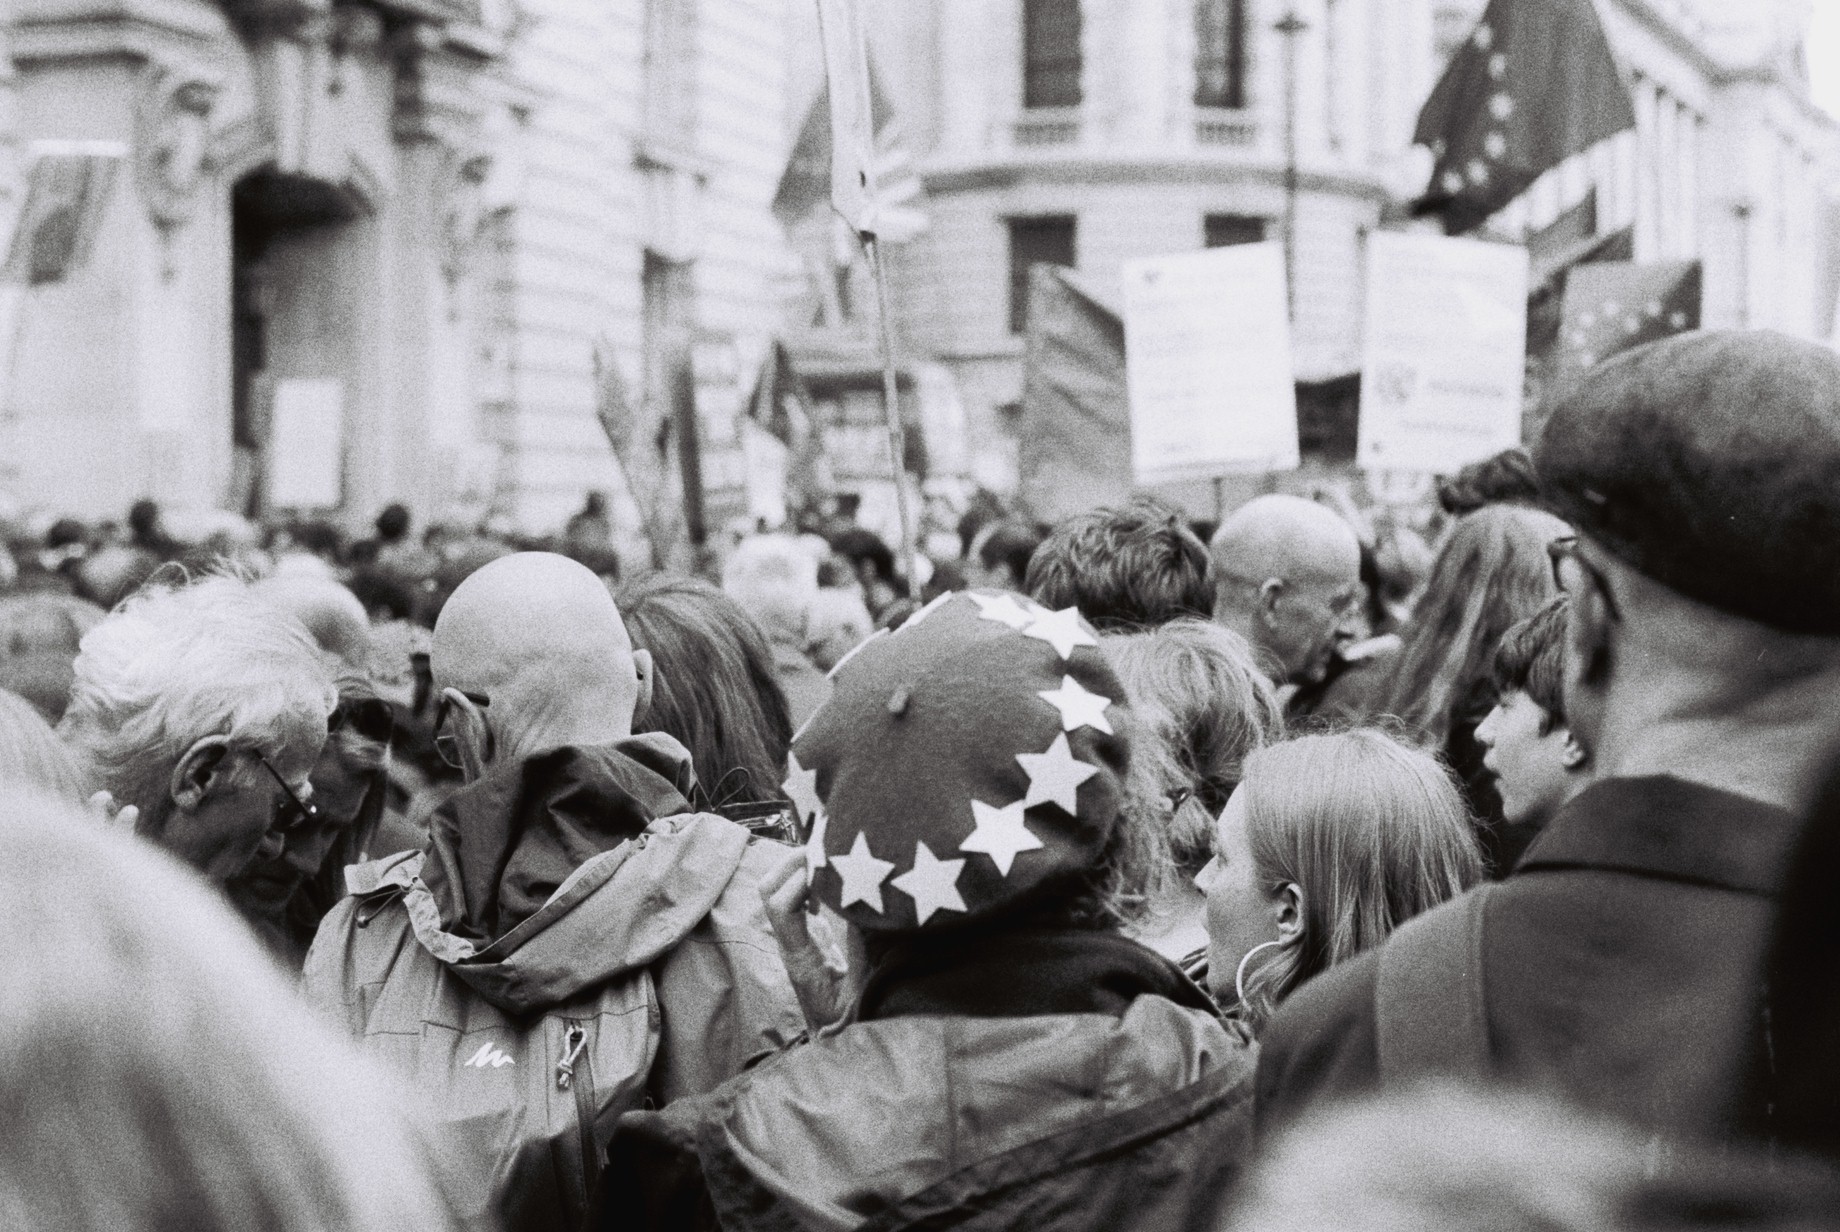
<point x="1290" y="26"/>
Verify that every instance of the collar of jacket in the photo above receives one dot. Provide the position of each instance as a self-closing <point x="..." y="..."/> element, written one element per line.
<point x="1021" y="973"/>
<point x="501" y="846"/>
<point x="1670" y="828"/>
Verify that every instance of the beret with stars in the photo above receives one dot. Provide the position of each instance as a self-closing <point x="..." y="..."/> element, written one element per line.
<point x="970" y="761"/>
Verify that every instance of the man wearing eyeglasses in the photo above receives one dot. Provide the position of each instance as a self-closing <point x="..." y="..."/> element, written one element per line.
<point x="573" y="940"/>
<point x="1288" y="572"/>
<point x="1620" y="966"/>
<point x="200" y="710"/>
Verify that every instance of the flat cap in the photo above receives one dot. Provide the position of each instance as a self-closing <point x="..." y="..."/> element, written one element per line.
<point x="1710" y="462"/>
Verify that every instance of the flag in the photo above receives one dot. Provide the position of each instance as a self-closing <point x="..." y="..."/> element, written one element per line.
<point x="805" y="183"/>
<point x="1074" y="443"/>
<point x="846" y="76"/>
<point x="1615" y="305"/>
<point x="65" y="195"/>
<point x="1534" y="84"/>
<point x="783" y="407"/>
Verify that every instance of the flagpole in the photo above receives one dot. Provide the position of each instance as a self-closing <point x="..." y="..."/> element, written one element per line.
<point x="891" y="408"/>
<point x="1290" y="26"/>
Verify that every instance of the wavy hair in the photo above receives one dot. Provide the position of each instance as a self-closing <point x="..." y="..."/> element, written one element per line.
<point x="176" y="663"/>
<point x="1373" y="831"/>
<point x="157" y="1071"/>
<point x="1201" y="706"/>
<point x="713" y="689"/>
<point x="1492" y="571"/>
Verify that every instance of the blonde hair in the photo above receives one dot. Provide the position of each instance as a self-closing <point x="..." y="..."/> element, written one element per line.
<point x="776" y="580"/>
<point x="176" y="663"/>
<point x="155" y="1067"/>
<point x="1200" y="705"/>
<point x="1373" y="831"/>
<point x="32" y="755"/>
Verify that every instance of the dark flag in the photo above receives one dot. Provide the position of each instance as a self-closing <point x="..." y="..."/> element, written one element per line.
<point x="1615" y="305"/>
<point x="1074" y="446"/>
<point x="1534" y="84"/>
<point x="783" y="406"/>
<point x="65" y="196"/>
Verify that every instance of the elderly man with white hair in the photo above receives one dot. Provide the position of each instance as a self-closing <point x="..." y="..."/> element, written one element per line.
<point x="201" y="709"/>
<point x="775" y="578"/>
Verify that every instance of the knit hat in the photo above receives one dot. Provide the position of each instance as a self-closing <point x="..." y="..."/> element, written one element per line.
<point x="965" y="763"/>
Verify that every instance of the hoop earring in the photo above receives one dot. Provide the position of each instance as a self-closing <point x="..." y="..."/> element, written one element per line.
<point x="1239" y="976"/>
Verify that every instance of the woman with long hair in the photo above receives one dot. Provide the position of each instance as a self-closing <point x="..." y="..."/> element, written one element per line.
<point x="1201" y="705"/>
<point x="156" y="1070"/>
<point x="1329" y="844"/>
<point x="1492" y="572"/>
<point x="714" y="691"/>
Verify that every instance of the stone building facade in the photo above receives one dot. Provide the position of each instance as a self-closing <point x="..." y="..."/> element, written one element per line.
<point x="440" y="210"/>
<point x="1090" y="132"/>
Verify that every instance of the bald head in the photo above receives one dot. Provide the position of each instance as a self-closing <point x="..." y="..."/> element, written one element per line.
<point x="540" y="636"/>
<point x="1289" y="573"/>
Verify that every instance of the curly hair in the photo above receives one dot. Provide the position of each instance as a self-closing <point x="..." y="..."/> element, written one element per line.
<point x="176" y="663"/>
<point x="1126" y="569"/>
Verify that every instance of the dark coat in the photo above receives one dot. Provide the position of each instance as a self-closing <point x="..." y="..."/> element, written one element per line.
<point x="1621" y="967"/>
<point x="1092" y="1089"/>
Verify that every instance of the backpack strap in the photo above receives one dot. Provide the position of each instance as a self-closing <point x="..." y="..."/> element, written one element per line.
<point x="1428" y="995"/>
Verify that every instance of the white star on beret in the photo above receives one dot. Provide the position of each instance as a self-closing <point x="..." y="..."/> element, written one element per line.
<point x="1060" y="630"/>
<point x="1001" y="608"/>
<point x="1079" y="708"/>
<point x="1000" y="833"/>
<point x="862" y="874"/>
<point x="814" y="845"/>
<point x="801" y="787"/>
<point x="932" y="883"/>
<point x="1055" y="776"/>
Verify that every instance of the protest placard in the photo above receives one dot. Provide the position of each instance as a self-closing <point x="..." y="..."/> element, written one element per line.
<point x="1442" y="367"/>
<point x="1208" y="364"/>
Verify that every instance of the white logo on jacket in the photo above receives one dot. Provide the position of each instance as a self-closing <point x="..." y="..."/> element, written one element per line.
<point x="488" y="1056"/>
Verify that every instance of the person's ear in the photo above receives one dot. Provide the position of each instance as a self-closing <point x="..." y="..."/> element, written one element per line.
<point x="197" y="772"/>
<point x="1270" y="591"/>
<point x="469" y="726"/>
<point x="642" y="668"/>
<point x="1575" y="756"/>
<point x="1290" y="913"/>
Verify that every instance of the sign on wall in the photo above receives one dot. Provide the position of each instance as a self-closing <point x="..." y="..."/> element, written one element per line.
<point x="306" y="444"/>
<point x="1208" y="364"/>
<point x="1444" y="357"/>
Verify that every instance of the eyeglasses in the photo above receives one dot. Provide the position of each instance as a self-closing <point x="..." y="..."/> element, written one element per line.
<point x="1566" y="548"/>
<point x="445" y="742"/>
<point x="292" y="813"/>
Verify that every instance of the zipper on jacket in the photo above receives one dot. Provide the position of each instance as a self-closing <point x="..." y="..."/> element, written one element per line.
<point x="573" y="1073"/>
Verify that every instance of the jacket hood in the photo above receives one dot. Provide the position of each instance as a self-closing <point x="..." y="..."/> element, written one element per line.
<point x="555" y="875"/>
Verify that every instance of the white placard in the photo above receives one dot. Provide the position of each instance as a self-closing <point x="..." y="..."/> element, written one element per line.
<point x="306" y="444"/>
<point x="1208" y="364"/>
<point x="1443" y="363"/>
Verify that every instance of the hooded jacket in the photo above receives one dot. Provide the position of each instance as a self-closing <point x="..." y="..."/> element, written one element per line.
<point x="1040" y="1080"/>
<point x="573" y="943"/>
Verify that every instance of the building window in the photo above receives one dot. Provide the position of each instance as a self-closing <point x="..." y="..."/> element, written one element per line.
<point x="1034" y="241"/>
<point x="1220" y="53"/>
<point x="1050" y="53"/>
<point x="1226" y="230"/>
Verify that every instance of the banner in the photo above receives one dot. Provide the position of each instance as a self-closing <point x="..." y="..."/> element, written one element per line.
<point x="1208" y="349"/>
<point x="1444" y="357"/>
<point x="66" y="193"/>
<point x="1074" y="446"/>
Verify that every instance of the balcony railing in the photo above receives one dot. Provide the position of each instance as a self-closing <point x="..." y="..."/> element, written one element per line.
<point x="1221" y="127"/>
<point x="1047" y="126"/>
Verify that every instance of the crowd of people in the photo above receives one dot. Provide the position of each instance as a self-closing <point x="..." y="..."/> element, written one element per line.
<point x="1284" y="872"/>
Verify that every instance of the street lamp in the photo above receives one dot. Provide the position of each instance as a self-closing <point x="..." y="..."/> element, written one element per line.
<point x="1290" y="26"/>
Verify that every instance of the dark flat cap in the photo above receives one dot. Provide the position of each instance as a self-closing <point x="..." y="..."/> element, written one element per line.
<point x="1710" y="462"/>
